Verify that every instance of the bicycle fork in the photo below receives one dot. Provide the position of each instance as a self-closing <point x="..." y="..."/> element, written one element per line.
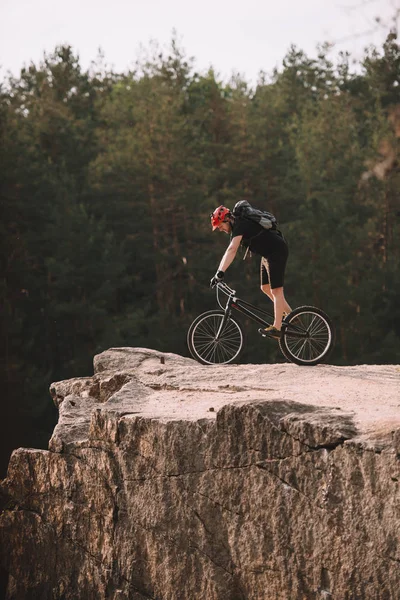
<point x="225" y="319"/>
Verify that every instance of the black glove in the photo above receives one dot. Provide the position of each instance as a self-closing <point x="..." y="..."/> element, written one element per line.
<point x="219" y="275"/>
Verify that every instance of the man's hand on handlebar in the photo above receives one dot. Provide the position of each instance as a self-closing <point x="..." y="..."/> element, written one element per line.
<point x="218" y="277"/>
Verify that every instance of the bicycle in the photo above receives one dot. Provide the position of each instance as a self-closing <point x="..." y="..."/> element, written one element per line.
<point x="215" y="337"/>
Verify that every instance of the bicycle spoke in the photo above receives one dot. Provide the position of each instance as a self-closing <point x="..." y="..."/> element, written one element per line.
<point x="211" y="350"/>
<point x="311" y="348"/>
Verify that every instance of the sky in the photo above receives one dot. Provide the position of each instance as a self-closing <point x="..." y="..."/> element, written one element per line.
<point x="232" y="36"/>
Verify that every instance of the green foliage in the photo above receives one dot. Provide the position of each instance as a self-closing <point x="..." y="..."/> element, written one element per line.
<point x="106" y="185"/>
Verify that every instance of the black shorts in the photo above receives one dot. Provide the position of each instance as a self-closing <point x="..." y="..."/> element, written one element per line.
<point x="272" y="269"/>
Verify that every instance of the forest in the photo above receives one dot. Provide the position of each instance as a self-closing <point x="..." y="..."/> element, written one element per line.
<point x="107" y="182"/>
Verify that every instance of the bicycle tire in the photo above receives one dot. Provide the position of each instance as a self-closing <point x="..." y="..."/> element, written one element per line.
<point x="202" y="344"/>
<point x="316" y="347"/>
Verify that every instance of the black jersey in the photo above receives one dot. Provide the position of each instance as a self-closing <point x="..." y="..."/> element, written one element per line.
<point x="259" y="240"/>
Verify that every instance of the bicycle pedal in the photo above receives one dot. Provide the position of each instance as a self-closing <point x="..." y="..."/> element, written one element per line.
<point x="270" y="335"/>
<point x="266" y="334"/>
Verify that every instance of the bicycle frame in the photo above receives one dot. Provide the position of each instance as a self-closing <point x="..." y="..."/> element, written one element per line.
<point x="246" y="308"/>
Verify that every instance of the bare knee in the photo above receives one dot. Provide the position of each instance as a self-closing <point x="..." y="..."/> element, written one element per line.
<point x="266" y="289"/>
<point x="277" y="292"/>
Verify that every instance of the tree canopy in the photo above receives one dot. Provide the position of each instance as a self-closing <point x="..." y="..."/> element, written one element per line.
<point x="107" y="181"/>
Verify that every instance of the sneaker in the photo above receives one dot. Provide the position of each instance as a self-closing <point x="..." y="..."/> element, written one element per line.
<point x="270" y="331"/>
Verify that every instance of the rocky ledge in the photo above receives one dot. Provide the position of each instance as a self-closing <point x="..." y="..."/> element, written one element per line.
<point x="170" y="480"/>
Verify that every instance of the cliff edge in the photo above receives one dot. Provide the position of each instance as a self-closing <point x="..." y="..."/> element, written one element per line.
<point x="170" y="480"/>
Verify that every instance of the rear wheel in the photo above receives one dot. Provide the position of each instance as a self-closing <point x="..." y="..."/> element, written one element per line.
<point x="203" y="343"/>
<point x="307" y="336"/>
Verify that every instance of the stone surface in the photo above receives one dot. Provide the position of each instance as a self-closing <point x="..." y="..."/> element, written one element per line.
<point x="170" y="480"/>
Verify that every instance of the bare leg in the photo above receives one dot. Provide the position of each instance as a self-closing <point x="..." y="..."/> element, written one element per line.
<point x="266" y="289"/>
<point x="280" y="306"/>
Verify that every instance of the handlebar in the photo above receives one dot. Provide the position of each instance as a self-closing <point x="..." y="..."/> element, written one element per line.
<point x="224" y="287"/>
<point x="221" y="286"/>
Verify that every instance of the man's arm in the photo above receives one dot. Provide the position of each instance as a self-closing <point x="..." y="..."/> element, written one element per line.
<point x="230" y="253"/>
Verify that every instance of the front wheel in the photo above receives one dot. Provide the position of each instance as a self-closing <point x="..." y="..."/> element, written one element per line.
<point x="307" y="336"/>
<point x="211" y="345"/>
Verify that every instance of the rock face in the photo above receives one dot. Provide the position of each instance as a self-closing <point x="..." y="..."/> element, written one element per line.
<point x="170" y="480"/>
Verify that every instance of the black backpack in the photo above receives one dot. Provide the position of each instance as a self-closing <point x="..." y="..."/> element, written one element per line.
<point x="243" y="209"/>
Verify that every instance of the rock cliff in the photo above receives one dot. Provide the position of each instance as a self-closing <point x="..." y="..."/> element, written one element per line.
<point x="170" y="480"/>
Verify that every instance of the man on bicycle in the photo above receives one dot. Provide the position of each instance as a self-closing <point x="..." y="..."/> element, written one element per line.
<point x="270" y="245"/>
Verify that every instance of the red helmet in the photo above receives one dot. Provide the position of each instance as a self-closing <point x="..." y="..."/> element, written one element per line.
<point x="219" y="216"/>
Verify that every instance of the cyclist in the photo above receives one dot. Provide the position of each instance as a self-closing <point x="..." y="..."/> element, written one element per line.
<point x="270" y="245"/>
